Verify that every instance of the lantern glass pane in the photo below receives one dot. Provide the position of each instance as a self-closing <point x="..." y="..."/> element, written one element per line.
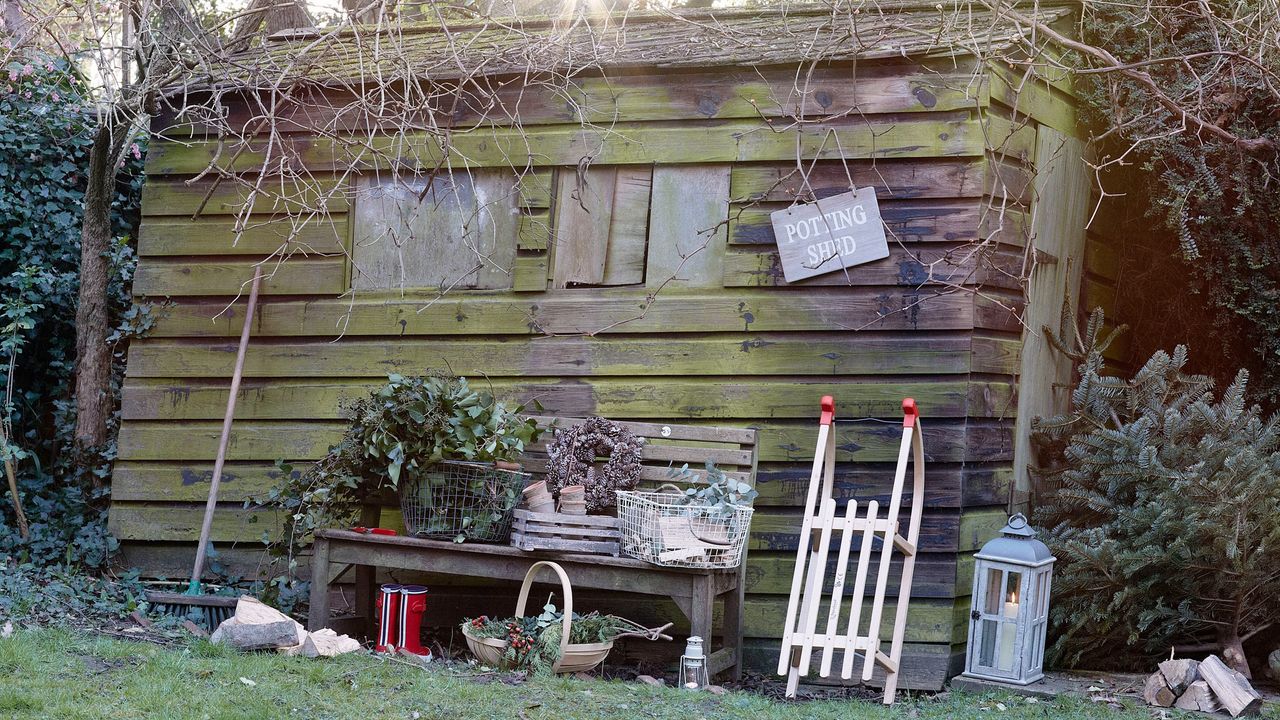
<point x="995" y="584"/>
<point x="987" y="643"/>
<point x="1008" y="634"/>
<point x="1038" y="643"/>
<point x="1042" y="597"/>
<point x="1011" y="595"/>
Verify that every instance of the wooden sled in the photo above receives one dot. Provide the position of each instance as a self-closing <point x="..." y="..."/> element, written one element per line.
<point x="800" y="636"/>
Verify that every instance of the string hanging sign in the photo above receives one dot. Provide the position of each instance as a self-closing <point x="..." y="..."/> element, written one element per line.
<point x="829" y="235"/>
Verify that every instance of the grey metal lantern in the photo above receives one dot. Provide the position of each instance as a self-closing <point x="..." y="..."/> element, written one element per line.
<point x="1010" y="606"/>
<point x="693" y="665"/>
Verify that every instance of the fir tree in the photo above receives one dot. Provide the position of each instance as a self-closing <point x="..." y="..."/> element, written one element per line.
<point x="1166" y="520"/>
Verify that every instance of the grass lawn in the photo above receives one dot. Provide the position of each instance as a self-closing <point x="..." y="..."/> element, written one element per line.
<point x="53" y="673"/>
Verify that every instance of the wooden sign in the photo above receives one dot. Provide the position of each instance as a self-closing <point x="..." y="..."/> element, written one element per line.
<point x="829" y="235"/>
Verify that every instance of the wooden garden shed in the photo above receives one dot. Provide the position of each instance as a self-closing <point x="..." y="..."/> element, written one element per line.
<point x="579" y="212"/>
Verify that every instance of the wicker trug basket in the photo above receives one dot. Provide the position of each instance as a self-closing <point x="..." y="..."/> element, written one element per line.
<point x="574" y="657"/>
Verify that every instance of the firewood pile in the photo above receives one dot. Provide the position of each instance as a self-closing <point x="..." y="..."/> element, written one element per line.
<point x="256" y="626"/>
<point x="1206" y="686"/>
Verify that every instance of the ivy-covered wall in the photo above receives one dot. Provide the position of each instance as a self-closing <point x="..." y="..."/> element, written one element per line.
<point x="46" y="128"/>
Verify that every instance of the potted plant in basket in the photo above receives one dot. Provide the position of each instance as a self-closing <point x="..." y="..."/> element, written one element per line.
<point x="717" y="500"/>
<point x="444" y="446"/>
<point x="703" y="526"/>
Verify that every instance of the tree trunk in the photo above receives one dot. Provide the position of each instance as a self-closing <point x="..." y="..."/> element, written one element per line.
<point x="23" y="529"/>
<point x="1233" y="654"/>
<point x="93" y="356"/>
<point x="277" y="15"/>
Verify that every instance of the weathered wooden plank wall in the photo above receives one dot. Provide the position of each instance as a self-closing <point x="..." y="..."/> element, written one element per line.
<point x="671" y="304"/>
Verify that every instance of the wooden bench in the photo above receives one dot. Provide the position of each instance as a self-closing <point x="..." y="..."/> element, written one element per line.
<point x="694" y="591"/>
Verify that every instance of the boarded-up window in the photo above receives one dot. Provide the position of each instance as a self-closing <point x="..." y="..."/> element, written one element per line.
<point x="455" y="231"/>
<point x="601" y="226"/>
<point x="688" y="226"/>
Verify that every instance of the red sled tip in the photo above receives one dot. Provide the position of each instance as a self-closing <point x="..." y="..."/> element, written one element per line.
<point x="910" y="413"/>
<point x="828" y="409"/>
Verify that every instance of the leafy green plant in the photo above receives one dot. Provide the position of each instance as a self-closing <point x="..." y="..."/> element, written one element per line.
<point x="60" y="594"/>
<point x="46" y="126"/>
<point x="719" y="493"/>
<point x="396" y="436"/>
<point x="415" y="422"/>
<point x="1166" y="521"/>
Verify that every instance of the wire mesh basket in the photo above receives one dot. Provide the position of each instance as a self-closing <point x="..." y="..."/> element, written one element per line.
<point x="461" y="501"/>
<point x="658" y="527"/>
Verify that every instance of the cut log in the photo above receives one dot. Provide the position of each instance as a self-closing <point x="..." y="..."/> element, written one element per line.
<point x="1231" y="688"/>
<point x="292" y="650"/>
<point x="1179" y="674"/>
<point x="252" y="611"/>
<point x="256" y="636"/>
<point x="1156" y="691"/>
<point x="1198" y="697"/>
<point x="256" y="626"/>
<point x="327" y="643"/>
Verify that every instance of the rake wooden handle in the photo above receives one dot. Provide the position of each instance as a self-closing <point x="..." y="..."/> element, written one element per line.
<point x="207" y="525"/>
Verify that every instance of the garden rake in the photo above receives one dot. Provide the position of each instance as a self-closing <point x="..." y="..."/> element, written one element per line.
<point x="195" y="604"/>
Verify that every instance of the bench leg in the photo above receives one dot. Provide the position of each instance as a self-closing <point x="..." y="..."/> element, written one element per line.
<point x="733" y="629"/>
<point x="701" y="609"/>
<point x="366" y="591"/>
<point x="318" y="616"/>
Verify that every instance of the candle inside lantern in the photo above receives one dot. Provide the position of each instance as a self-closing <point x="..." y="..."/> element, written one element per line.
<point x="1008" y="631"/>
<point x="1011" y="605"/>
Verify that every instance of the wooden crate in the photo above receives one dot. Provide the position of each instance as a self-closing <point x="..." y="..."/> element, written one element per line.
<point x="587" y="534"/>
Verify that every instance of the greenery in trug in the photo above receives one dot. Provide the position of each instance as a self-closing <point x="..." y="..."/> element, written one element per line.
<point x="1166" y="521"/>
<point x="46" y="128"/>
<point x="533" y="642"/>
<point x="51" y="673"/>
<point x="396" y="435"/>
<point x="1215" y="199"/>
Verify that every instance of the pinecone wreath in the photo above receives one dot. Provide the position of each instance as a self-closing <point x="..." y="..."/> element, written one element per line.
<point x="572" y="454"/>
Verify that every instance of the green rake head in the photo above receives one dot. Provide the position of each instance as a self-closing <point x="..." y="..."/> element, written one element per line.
<point x="207" y="611"/>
